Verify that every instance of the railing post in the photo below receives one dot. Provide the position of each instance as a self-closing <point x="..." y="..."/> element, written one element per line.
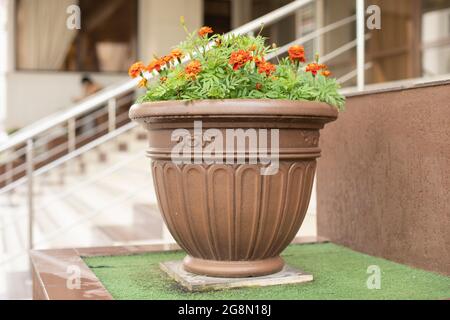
<point x="10" y="174"/>
<point x="360" y="44"/>
<point x="319" y="10"/>
<point x="112" y="103"/>
<point x="9" y="169"/>
<point x="30" y="196"/>
<point x="71" y="134"/>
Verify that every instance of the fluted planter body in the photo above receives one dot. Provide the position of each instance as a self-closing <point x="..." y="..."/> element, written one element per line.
<point x="232" y="220"/>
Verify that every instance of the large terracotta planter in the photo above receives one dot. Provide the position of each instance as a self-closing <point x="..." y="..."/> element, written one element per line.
<point x="230" y="219"/>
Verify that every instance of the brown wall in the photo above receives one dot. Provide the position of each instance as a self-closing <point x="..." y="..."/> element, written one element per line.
<point x="383" y="182"/>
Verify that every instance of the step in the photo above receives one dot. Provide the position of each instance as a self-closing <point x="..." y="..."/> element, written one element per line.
<point x="146" y="214"/>
<point x="14" y="235"/>
<point x="132" y="233"/>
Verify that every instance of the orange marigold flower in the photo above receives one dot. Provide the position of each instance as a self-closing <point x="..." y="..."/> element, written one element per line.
<point x="267" y="68"/>
<point x="258" y="86"/>
<point x="166" y="59"/>
<point x="193" y="68"/>
<point x="142" y="83"/>
<point x="156" y="64"/>
<point x="239" y="58"/>
<point x="136" y="69"/>
<point x="176" y="54"/>
<point x="315" y="67"/>
<point x="259" y="60"/>
<point x="326" y="73"/>
<point x="297" y="53"/>
<point x="203" y="31"/>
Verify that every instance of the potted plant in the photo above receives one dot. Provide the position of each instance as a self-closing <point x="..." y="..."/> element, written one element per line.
<point x="233" y="141"/>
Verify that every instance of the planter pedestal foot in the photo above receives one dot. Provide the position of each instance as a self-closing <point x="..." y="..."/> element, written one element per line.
<point x="233" y="269"/>
<point x="194" y="282"/>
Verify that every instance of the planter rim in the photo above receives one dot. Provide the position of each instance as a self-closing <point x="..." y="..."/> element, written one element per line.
<point x="233" y="107"/>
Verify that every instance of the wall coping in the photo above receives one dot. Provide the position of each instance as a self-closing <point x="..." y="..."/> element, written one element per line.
<point x="398" y="86"/>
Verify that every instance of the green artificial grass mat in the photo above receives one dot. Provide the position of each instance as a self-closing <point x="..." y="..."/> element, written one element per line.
<point x="339" y="273"/>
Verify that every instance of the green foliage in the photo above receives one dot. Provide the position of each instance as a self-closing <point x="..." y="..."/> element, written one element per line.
<point x="218" y="80"/>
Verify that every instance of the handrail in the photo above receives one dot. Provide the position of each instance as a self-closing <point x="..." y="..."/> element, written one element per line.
<point x="78" y="110"/>
<point x="111" y="92"/>
<point x="85" y="119"/>
<point x="73" y="154"/>
<point x="348" y="76"/>
<point x="312" y="35"/>
<point x="92" y="179"/>
<point x="271" y="17"/>
<point x="349" y="45"/>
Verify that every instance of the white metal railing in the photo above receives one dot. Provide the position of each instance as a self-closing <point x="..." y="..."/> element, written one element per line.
<point x="344" y="48"/>
<point x="67" y="131"/>
<point x="360" y="45"/>
<point x="25" y="142"/>
<point x="312" y="35"/>
<point x="348" y="76"/>
<point x="108" y="95"/>
<point x="91" y="145"/>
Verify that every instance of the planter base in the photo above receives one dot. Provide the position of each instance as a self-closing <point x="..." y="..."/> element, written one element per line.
<point x="233" y="269"/>
<point x="194" y="282"/>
